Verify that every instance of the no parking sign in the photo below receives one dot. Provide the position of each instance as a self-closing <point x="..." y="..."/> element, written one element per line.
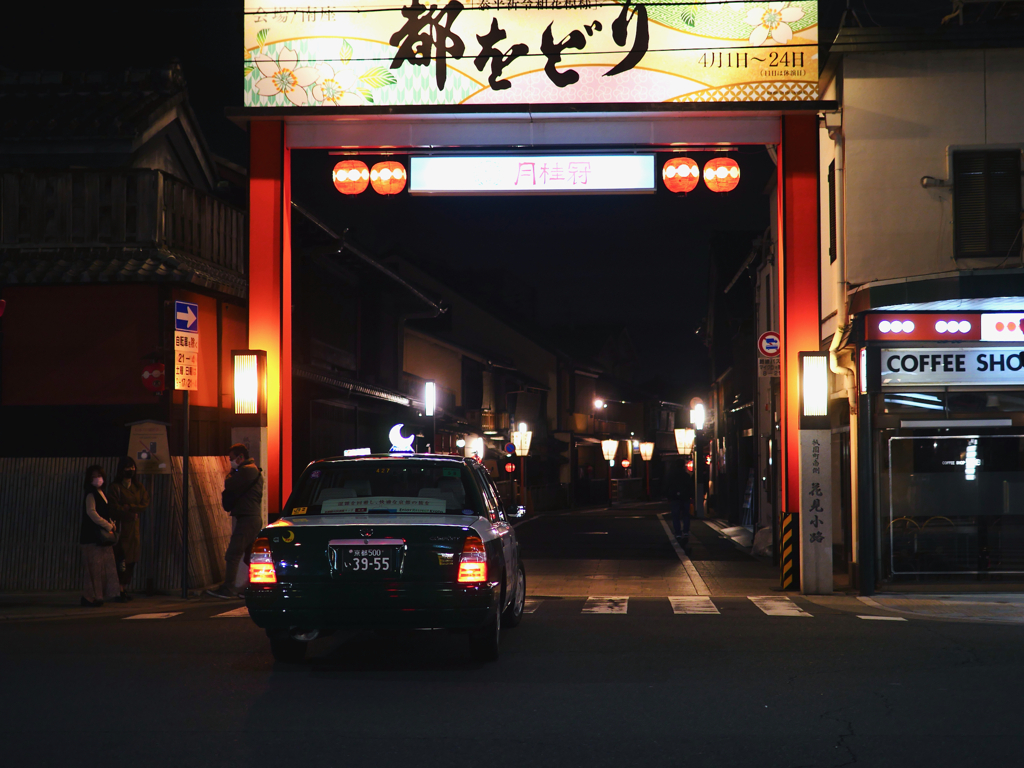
<point x="768" y="347"/>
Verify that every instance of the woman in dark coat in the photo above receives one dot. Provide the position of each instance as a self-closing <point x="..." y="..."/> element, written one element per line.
<point x="128" y="498"/>
<point x="97" y="554"/>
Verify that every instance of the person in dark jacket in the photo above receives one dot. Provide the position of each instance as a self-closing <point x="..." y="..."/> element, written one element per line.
<point x="243" y="499"/>
<point x="97" y="552"/>
<point x="679" y="489"/>
<point x="128" y="499"/>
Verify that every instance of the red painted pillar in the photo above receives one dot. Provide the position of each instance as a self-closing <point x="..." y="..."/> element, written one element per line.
<point x="270" y="293"/>
<point x="799" y="302"/>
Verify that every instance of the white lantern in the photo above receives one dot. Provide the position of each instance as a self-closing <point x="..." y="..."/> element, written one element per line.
<point x="646" y="451"/>
<point x="609" y="449"/>
<point x="684" y="441"/>
<point x="521" y="439"/>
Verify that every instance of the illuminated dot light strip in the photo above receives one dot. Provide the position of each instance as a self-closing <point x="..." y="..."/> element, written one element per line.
<point x="896" y="326"/>
<point x="952" y="326"/>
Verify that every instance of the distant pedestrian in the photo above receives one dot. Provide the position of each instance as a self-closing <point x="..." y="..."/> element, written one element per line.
<point x="679" y="489"/>
<point x="96" y="540"/>
<point x="243" y="499"/>
<point x="128" y="499"/>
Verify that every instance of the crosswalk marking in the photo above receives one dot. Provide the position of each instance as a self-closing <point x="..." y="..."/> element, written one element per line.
<point x="692" y="605"/>
<point x="774" y="605"/>
<point x="242" y="613"/>
<point x="881" y="618"/>
<point x="154" y="615"/>
<point x="606" y="605"/>
<point x="530" y="605"/>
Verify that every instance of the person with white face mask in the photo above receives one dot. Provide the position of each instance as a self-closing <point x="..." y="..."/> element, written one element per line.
<point x="96" y="541"/>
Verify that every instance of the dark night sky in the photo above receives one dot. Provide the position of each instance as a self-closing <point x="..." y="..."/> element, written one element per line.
<point x="639" y="261"/>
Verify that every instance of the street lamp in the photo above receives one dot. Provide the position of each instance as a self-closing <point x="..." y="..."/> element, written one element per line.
<point x="609" y="449"/>
<point x="815" y="548"/>
<point x="250" y="378"/>
<point x="521" y="439"/>
<point x="697" y="416"/>
<point x="429" y="407"/>
<point x="686" y="443"/>
<point x="249" y="368"/>
<point x="647" y="453"/>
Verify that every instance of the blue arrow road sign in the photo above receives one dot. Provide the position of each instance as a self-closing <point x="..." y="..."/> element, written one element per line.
<point x="186" y="317"/>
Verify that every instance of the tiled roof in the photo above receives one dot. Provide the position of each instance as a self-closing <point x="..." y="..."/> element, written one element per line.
<point x="69" y="106"/>
<point x="126" y="265"/>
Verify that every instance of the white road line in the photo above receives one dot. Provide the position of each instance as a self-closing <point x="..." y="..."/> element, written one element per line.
<point x="606" y="605"/>
<point x="693" y="605"/>
<point x="530" y="605"/>
<point x="773" y="605"/>
<point x="880" y="618"/>
<point x="241" y="613"/>
<point x="698" y="583"/>
<point x="153" y="615"/>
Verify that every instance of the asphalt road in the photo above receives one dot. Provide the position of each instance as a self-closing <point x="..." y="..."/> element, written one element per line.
<point x="647" y="687"/>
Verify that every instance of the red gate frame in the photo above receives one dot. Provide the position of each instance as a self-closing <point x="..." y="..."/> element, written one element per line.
<point x="270" y="284"/>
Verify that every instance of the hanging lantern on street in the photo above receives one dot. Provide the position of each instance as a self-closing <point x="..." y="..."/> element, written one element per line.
<point x="351" y="177"/>
<point x="388" y="178"/>
<point x="680" y="174"/>
<point x="722" y="174"/>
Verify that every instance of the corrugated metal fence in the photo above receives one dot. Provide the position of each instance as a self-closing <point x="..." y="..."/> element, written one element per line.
<point x="41" y="514"/>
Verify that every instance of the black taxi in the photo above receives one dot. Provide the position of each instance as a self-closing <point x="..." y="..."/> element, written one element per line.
<point x="386" y="542"/>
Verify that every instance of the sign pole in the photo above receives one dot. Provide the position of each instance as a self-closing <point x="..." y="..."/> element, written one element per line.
<point x="186" y="379"/>
<point x="184" y="502"/>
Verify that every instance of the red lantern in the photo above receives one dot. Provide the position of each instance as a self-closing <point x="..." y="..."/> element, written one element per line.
<point x="153" y="377"/>
<point x="680" y="174"/>
<point x="510" y="467"/>
<point x="388" y="178"/>
<point x="351" y="177"/>
<point x="722" y="174"/>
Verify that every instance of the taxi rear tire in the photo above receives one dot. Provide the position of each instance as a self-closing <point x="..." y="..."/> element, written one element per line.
<point x="288" y="650"/>
<point x="484" y="642"/>
<point x="514" y="613"/>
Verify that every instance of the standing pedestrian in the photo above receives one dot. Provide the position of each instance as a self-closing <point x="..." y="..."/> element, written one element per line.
<point x="679" y="489"/>
<point x="243" y="499"/>
<point x="128" y="499"/>
<point x="96" y="540"/>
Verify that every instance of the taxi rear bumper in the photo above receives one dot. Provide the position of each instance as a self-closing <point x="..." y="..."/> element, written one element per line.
<point x="372" y="606"/>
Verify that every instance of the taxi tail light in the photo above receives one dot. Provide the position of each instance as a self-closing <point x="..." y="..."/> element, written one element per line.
<point x="473" y="563"/>
<point x="261" y="563"/>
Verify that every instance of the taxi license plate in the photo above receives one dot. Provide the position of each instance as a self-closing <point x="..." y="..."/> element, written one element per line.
<point x="368" y="557"/>
<point x="369" y="561"/>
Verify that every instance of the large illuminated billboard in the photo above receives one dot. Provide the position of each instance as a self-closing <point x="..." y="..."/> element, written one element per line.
<point x="363" y="53"/>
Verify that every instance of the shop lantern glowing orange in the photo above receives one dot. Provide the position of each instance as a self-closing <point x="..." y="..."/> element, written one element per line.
<point x="388" y="178"/>
<point x="680" y="174"/>
<point x="722" y="174"/>
<point x="351" y="177"/>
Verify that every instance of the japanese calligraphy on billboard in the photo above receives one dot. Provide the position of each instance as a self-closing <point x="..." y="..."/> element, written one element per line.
<point x="361" y="53"/>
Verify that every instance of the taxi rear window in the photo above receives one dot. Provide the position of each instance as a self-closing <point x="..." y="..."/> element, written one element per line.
<point x="410" y="487"/>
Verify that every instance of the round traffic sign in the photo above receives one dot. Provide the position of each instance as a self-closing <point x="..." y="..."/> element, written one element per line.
<point x="768" y="344"/>
<point x="510" y="448"/>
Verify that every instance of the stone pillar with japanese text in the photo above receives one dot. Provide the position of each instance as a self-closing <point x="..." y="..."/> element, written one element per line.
<point x="816" y="511"/>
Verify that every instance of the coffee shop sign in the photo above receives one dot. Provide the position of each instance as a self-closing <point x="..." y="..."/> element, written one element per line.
<point x="358" y="53"/>
<point x="943" y="366"/>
